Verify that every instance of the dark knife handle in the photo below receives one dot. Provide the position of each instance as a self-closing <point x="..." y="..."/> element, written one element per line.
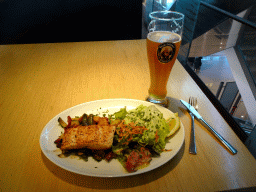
<point x="220" y="138"/>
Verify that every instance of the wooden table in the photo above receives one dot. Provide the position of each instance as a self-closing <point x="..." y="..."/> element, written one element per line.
<point x="38" y="81"/>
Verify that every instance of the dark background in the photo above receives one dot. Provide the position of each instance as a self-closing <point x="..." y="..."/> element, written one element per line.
<point x="41" y="21"/>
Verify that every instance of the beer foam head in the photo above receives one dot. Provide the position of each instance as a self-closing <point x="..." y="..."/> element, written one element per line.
<point x="164" y="36"/>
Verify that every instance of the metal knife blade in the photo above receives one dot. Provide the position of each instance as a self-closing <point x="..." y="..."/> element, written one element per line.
<point x="191" y="109"/>
<point x="217" y="135"/>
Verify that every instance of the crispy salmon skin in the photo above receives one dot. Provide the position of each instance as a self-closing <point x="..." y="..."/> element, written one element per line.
<point x="96" y="137"/>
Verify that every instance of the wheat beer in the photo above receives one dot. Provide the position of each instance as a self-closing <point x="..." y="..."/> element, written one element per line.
<point x="162" y="50"/>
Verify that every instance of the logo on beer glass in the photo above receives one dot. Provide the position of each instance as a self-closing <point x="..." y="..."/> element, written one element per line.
<point x="165" y="52"/>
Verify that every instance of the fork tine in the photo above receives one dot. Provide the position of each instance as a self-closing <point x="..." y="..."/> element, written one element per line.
<point x="193" y="101"/>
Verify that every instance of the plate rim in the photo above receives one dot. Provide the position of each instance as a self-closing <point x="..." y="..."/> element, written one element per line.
<point x="125" y="174"/>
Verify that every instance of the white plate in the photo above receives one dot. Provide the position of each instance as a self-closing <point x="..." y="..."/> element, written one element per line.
<point x="102" y="169"/>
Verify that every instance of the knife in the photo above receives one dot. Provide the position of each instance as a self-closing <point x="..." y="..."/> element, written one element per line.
<point x="217" y="135"/>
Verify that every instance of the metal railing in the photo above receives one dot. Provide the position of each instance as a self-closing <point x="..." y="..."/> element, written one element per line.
<point x="230" y="15"/>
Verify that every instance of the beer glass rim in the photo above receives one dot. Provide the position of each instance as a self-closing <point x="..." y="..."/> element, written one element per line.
<point x="161" y="15"/>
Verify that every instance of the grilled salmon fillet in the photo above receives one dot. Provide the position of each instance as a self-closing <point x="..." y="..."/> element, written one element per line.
<point x="96" y="137"/>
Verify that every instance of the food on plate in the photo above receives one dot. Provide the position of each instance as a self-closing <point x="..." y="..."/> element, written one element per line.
<point x="174" y="124"/>
<point x="137" y="159"/>
<point x="95" y="137"/>
<point x="133" y="137"/>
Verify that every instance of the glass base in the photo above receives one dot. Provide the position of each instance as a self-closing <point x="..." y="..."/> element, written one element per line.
<point x="162" y="102"/>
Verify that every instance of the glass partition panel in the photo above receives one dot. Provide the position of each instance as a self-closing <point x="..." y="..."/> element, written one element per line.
<point x="224" y="58"/>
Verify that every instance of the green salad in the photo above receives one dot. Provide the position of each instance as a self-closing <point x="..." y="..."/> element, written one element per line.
<point x="151" y="119"/>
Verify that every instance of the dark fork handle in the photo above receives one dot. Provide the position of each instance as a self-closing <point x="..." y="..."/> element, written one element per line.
<point x="192" y="144"/>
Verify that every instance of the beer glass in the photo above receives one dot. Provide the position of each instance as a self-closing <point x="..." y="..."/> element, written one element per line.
<point x="163" y="43"/>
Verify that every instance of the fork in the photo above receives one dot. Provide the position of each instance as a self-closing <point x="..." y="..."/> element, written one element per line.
<point x="192" y="145"/>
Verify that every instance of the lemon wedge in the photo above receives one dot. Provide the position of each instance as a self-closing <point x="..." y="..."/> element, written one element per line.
<point x="174" y="124"/>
